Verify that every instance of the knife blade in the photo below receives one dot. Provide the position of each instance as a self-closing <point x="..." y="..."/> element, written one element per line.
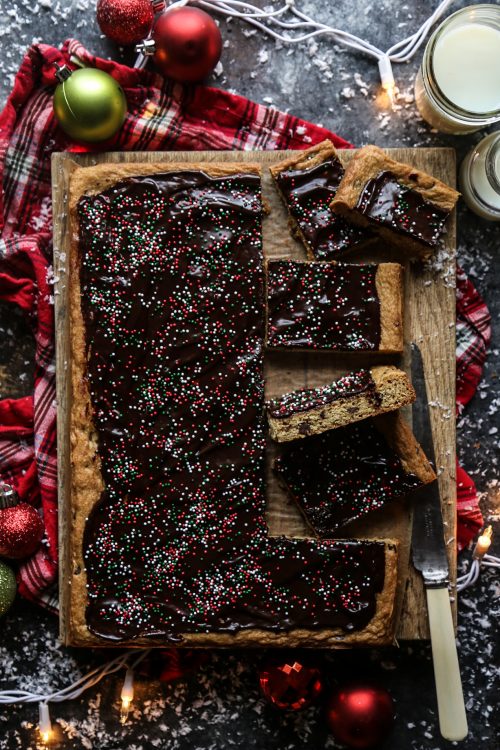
<point x="429" y="557"/>
<point x="428" y="548"/>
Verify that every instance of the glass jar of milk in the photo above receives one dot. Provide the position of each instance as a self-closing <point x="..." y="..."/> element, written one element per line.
<point x="480" y="178"/>
<point x="457" y="89"/>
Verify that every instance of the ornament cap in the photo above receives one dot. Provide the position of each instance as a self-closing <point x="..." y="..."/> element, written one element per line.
<point x="147" y="47"/>
<point x="62" y="72"/>
<point x="8" y="496"/>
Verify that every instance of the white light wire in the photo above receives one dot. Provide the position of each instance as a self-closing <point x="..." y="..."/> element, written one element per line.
<point x="472" y="575"/>
<point x="400" y="52"/>
<point x="79" y="686"/>
<point x="489" y="561"/>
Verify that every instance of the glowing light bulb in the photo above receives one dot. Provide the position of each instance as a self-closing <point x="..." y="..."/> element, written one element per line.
<point x="387" y="77"/>
<point x="391" y="94"/>
<point x="483" y="543"/>
<point x="124" y="711"/>
<point x="44" y="723"/>
<point x="127" y="695"/>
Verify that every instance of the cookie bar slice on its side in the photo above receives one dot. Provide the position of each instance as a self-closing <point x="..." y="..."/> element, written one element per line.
<point x="340" y="475"/>
<point x="407" y="207"/>
<point x="307" y="183"/>
<point x="355" y="396"/>
<point x="334" y="307"/>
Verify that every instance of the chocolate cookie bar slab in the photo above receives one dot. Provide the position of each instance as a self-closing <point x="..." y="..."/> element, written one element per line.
<point x="307" y="184"/>
<point x="406" y="207"/>
<point x="343" y="474"/>
<point x="169" y="541"/>
<point x="355" y="396"/>
<point x="334" y="307"/>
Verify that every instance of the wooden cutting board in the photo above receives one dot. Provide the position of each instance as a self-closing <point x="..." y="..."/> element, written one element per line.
<point x="429" y="320"/>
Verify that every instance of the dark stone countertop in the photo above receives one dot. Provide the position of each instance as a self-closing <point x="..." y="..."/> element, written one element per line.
<point x="219" y="706"/>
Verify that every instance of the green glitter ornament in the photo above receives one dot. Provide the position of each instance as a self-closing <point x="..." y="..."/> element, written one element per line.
<point x="7" y="588"/>
<point x="89" y="104"/>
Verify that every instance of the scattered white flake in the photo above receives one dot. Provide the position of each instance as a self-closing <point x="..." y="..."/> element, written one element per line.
<point x="384" y="121"/>
<point x="51" y="278"/>
<point x="442" y="264"/>
<point x="363" y="86"/>
<point x="388" y="665"/>
<point x="44" y="216"/>
<point x="446" y="411"/>
<point x="348" y="92"/>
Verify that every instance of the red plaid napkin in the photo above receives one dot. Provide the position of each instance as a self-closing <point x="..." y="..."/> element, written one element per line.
<point x="161" y="116"/>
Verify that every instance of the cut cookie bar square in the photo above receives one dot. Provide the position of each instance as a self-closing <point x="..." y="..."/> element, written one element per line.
<point x="406" y="207"/>
<point x="340" y="475"/>
<point x="334" y="307"/>
<point x="307" y="184"/>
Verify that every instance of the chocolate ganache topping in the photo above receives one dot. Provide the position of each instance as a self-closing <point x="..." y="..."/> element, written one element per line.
<point x="308" y="194"/>
<point x="173" y="305"/>
<point x="322" y="306"/>
<point x="307" y="399"/>
<point x="342" y="474"/>
<point x="387" y="201"/>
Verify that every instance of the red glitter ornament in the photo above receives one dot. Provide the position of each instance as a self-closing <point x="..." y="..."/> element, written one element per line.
<point x="21" y="530"/>
<point x="125" y="21"/>
<point x="290" y="684"/>
<point x="187" y="44"/>
<point x="360" y="714"/>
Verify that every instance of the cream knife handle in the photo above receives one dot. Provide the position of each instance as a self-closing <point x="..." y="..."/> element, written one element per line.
<point x="450" y="698"/>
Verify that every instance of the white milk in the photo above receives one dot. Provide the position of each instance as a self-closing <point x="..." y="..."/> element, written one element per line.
<point x="478" y="190"/>
<point x="457" y="89"/>
<point x="466" y="64"/>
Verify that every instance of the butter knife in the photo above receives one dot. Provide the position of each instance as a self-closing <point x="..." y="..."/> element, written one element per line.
<point x="429" y="557"/>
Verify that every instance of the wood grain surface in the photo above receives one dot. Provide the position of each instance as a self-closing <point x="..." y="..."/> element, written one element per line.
<point x="429" y="320"/>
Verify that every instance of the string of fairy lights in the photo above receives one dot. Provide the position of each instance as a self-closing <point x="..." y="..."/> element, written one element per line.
<point x="480" y="559"/>
<point x="129" y="660"/>
<point x="290" y="25"/>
